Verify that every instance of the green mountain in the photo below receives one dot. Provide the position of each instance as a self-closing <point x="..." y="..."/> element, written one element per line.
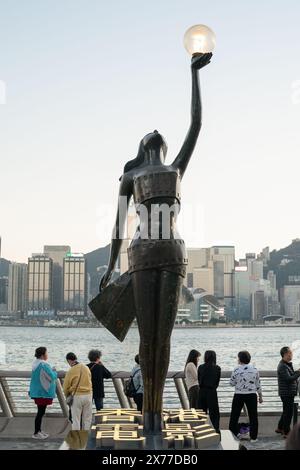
<point x="285" y="263"/>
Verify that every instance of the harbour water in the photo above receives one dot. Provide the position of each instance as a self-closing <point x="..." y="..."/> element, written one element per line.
<point x="17" y="345"/>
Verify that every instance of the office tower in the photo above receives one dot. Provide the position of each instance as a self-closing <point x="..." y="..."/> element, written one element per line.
<point x="17" y="287"/>
<point x="3" y="293"/>
<point x="242" y="293"/>
<point x="291" y="302"/>
<point x="197" y="258"/>
<point x="204" y="278"/>
<point x="223" y="259"/>
<point x="265" y="255"/>
<point x="39" y="282"/>
<point x="258" y="306"/>
<point x="75" y="285"/>
<point x="57" y="253"/>
<point x="271" y="276"/>
<point x="255" y="268"/>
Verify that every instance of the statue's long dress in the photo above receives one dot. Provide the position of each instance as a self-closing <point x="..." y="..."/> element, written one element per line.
<point x="157" y="267"/>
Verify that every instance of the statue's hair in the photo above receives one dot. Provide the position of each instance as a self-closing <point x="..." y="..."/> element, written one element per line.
<point x="135" y="162"/>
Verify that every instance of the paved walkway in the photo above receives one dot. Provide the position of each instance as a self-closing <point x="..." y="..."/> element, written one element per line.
<point x="30" y="444"/>
<point x="265" y="443"/>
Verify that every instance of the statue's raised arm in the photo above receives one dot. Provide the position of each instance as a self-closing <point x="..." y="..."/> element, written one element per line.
<point x="185" y="153"/>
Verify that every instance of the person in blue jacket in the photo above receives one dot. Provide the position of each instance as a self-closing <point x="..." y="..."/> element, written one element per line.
<point x="42" y="388"/>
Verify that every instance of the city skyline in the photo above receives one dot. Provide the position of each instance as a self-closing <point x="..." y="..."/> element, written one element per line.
<point x="238" y="253"/>
<point x="77" y="105"/>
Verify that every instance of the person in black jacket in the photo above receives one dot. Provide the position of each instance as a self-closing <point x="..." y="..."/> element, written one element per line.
<point x="99" y="372"/>
<point x="287" y="389"/>
<point x="209" y="375"/>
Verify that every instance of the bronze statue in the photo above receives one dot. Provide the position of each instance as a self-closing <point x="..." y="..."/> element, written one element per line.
<point x="157" y="263"/>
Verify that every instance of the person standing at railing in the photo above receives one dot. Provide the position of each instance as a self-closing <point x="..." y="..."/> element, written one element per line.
<point x="99" y="372"/>
<point x="209" y="375"/>
<point x="42" y="388"/>
<point x="287" y="389"/>
<point x="245" y="378"/>
<point x="137" y="379"/>
<point x="191" y="377"/>
<point x="78" y="390"/>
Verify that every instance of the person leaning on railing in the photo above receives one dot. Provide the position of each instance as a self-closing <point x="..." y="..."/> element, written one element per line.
<point x="78" y="391"/>
<point x="209" y="375"/>
<point x="42" y="388"/>
<point x="287" y="389"/>
<point x="99" y="373"/>
<point x="191" y="377"/>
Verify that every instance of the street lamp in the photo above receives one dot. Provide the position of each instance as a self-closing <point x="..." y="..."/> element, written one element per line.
<point x="199" y="39"/>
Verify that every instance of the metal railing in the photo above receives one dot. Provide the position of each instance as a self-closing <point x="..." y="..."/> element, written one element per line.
<point x="15" y="401"/>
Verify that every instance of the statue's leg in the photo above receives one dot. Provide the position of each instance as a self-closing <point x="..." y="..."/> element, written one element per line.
<point x="146" y="293"/>
<point x="170" y="284"/>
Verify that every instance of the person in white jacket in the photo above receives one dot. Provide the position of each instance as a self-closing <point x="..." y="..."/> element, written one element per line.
<point x="191" y="377"/>
<point x="245" y="379"/>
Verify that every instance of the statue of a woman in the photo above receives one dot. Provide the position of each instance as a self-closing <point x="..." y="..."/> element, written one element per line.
<point x="156" y="256"/>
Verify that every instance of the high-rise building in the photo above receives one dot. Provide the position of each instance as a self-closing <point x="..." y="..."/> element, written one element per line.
<point x="75" y="285"/>
<point x="223" y="258"/>
<point x="291" y="302"/>
<point x="242" y="293"/>
<point x="255" y="268"/>
<point x="17" y="287"/>
<point x="258" y="304"/>
<point x="57" y="253"/>
<point x="197" y="258"/>
<point x="3" y="293"/>
<point x="203" y="278"/>
<point x="39" y="282"/>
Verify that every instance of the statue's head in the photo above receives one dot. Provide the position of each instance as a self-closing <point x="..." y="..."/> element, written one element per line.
<point x="152" y="141"/>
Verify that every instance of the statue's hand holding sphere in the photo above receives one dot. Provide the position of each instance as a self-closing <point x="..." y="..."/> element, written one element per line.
<point x="200" y="60"/>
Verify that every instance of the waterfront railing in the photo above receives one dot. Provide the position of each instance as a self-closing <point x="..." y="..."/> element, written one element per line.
<point x="15" y="401"/>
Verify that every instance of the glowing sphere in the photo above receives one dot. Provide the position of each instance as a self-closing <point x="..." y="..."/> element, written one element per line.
<point x="199" y="39"/>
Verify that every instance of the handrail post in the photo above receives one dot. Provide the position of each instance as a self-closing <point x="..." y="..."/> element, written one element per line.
<point x="123" y="400"/>
<point x="5" y="404"/>
<point x="182" y="393"/>
<point x="61" y="398"/>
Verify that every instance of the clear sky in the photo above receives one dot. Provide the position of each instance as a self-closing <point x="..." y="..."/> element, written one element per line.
<point x="86" y="80"/>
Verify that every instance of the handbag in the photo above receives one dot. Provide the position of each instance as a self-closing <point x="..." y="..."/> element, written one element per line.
<point x="70" y="398"/>
<point x="129" y="388"/>
<point x="114" y="306"/>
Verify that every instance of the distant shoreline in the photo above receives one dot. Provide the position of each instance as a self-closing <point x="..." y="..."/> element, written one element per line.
<point x="294" y="325"/>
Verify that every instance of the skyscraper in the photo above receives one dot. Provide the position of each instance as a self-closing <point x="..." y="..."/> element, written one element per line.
<point x="39" y="282"/>
<point x="17" y="287"/>
<point x="223" y="258"/>
<point x="3" y="293"/>
<point x="75" y="285"/>
<point x="57" y="253"/>
<point x="242" y="293"/>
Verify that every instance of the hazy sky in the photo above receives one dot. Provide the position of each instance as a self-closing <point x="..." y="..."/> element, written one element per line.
<point x="86" y="80"/>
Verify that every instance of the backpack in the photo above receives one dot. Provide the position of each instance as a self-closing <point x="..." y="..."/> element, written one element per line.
<point x="129" y="388"/>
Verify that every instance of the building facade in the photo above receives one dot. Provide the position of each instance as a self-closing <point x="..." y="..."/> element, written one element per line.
<point x="17" y="288"/>
<point x="3" y="293"/>
<point x="74" y="285"/>
<point x="57" y="253"/>
<point x="39" y="286"/>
